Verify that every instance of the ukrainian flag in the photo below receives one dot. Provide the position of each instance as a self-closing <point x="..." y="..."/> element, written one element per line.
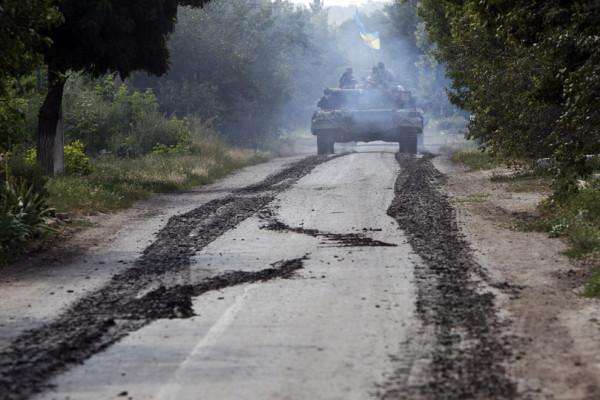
<point x="371" y="39"/>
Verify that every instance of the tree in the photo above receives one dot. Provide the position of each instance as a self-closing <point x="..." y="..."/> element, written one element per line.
<point x="96" y="37"/>
<point x="21" y="23"/>
<point x="528" y="72"/>
<point x="252" y="68"/>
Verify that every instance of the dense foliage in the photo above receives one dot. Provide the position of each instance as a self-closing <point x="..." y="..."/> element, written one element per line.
<point x="22" y="23"/>
<point x="529" y="72"/>
<point x="98" y="37"/>
<point x="108" y="116"/>
<point x="104" y="115"/>
<point x="253" y="67"/>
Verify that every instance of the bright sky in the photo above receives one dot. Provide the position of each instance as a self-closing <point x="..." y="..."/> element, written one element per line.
<point x="335" y="2"/>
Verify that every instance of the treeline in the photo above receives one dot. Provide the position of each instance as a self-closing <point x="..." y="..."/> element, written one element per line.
<point x="249" y="69"/>
<point x="61" y="38"/>
<point x="254" y="68"/>
<point x="528" y="72"/>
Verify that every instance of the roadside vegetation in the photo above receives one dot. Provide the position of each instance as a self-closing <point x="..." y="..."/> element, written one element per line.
<point x="576" y="218"/>
<point x="592" y="288"/>
<point x="120" y="149"/>
<point x="117" y="183"/>
<point x="529" y="75"/>
<point x="475" y="159"/>
<point x="87" y="125"/>
<point x="574" y="215"/>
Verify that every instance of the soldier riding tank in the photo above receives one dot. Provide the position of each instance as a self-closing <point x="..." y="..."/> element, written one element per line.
<point x="365" y="115"/>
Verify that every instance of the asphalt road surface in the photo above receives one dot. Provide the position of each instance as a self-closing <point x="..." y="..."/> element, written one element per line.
<point x="340" y="277"/>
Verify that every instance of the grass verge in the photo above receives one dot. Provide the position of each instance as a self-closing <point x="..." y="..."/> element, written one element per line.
<point x="473" y="198"/>
<point x="592" y="287"/>
<point x="475" y="159"/>
<point x="118" y="183"/>
<point x="33" y="218"/>
<point x="575" y="218"/>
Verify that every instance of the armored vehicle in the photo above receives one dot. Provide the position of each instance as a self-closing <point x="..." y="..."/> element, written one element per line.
<point x="365" y="115"/>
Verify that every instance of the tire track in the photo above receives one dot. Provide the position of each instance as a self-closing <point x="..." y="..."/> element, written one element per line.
<point x="469" y="350"/>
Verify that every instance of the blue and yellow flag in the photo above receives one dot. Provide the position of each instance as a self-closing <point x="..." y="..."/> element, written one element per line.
<point x="370" y="38"/>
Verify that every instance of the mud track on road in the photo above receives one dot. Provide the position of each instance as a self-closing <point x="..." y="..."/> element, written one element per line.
<point x="328" y="238"/>
<point x="469" y="350"/>
<point x="158" y="286"/>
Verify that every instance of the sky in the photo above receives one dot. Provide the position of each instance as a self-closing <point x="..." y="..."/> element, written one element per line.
<point x="335" y="2"/>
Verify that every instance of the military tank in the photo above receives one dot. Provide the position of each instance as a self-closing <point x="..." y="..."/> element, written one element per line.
<point x="366" y="115"/>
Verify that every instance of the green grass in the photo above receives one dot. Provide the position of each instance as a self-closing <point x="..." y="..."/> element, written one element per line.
<point x="526" y="181"/>
<point x="473" y="198"/>
<point x="575" y="218"/>
<point x="592" y="287"/>
<point x="530" y="185"/>
<point x="118" y="183"/>
<point x="475" y="159"/>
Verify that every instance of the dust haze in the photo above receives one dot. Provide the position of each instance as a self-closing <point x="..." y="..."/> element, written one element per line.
<point x="256" y="69"/>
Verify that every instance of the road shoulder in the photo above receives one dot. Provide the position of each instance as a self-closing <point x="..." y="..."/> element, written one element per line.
<point x="555" y="329"/>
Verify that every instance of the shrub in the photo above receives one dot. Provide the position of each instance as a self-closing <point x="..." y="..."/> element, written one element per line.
<point x="111" y="117"/>
<point x="23" y="215"/>
<point x="18" y="109"/>
<point x="582" y="237"/>
<point x="150" y="131"/>
<point x="19" y="167"/>
<point x="13" y="232"/>
<point x="76" y="161"/>
<point x="176" y="150"/>
<point x="576" y="217"/>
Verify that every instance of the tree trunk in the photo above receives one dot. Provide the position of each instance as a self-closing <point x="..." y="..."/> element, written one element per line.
<point x="50" y="138"/>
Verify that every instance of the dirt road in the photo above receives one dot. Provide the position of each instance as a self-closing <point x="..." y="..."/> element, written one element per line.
<point x="341" y="277"/>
